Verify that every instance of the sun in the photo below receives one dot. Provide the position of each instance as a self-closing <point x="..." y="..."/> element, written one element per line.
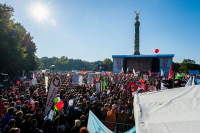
<point x="39" y="12"/>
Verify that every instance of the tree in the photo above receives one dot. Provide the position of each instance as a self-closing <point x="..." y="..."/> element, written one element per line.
<point x="187" y="65"/>
<point x="175" y="66"/>
<point x="107" y="62"/>
<point x="17" y="50"/>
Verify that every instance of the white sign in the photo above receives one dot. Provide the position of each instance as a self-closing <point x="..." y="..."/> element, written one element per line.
<point x="71" y="102"/>
<point x="50" y="116"/>
<point x="145" y="77"/>
<point x="53" y="89"/>
<point x="89" y="81"/>
<point x="97" y="87"/>
<point x="80" y="80"/>
<point x="34" y="81"/>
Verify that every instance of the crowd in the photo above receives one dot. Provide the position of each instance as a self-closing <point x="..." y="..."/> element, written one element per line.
<point x="22" y="106"/>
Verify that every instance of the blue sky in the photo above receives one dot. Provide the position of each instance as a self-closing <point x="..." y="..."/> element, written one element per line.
<point x="97" y="29"/>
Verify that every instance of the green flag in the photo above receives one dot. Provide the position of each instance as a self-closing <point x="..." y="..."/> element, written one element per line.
<point x="104" y="85"/>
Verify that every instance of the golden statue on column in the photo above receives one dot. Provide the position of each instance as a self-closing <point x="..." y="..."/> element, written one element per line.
<point x="137" y="15"/>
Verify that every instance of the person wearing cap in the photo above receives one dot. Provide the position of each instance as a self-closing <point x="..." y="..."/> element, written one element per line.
<point x="26" y="125"/>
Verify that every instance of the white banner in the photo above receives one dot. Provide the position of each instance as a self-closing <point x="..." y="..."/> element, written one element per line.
<point x="46" y="81"/>
<point x="53" y="89"/>
<point x="80" y="80"/>
<point x="97" y="87"/>
<point x="89" y="81"/>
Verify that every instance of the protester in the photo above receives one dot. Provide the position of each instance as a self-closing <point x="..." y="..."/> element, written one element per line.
<point x="111" y="102"/>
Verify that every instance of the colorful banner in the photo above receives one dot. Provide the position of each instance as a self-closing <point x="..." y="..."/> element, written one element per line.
<point x="53" y="89"/>
<point x="117" y="65"/>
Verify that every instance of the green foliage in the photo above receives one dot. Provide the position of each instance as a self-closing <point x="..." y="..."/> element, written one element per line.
<point x="65" y="64"/>
<point x="107" y="62"/>
<point x="17" y="50"/>
<point x="175" y="66"/>
<point x="187" y="65"/>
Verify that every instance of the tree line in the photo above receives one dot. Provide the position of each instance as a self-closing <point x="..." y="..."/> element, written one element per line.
<point x="65" y="64"/>
<point x="185" y="66"/>
<point x="17" y="49"/>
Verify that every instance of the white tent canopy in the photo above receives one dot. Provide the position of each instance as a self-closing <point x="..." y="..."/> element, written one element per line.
<point x="168" y="111"/>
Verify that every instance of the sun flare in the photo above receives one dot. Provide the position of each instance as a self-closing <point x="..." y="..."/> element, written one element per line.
<point x="39" y="12"/>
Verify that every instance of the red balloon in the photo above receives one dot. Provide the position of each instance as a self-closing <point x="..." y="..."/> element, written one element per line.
<point x="18" y="82"/>
<point x="60" y="105"/>
<point x="156" y="50"/>
<point x="141" y="81"/>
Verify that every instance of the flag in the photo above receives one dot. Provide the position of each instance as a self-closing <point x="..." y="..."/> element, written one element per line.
<point x="193" y="83"/>
<point x="34" y="76"/>
<point x="122" y="71"/>
<point x="32" y="102"/>
<point x="162" y="73"/>
<point x="92" y="82"/>
<point x="186" y="76"/>
<point x="170" y="73"/>
<point x="104" y="85"/>
<point x="111" y="73"/>
<point x="133" y="71"/>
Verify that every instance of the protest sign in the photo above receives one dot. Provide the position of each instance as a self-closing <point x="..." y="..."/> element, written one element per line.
<point x="145" y="77"/>
<point x="34" y="81"/>
<point x="80" y="80"/>
<point x="53" y="89"/>
<point x="50" y="116"/>
<point x="97" y="87"/>
<point x="75" y="79"/>
<point x="46" y="81"/>
<point x="89" y="81"/>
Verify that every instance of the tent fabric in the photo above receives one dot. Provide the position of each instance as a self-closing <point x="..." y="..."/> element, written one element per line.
<point x="96" y="126"/>
<point x="168" y="111"/>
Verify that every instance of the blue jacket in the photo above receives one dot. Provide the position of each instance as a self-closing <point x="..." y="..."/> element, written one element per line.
<point x="5" y="120"/>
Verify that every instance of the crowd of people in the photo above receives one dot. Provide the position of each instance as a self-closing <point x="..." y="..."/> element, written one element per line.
<point x="22" y="106"/>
